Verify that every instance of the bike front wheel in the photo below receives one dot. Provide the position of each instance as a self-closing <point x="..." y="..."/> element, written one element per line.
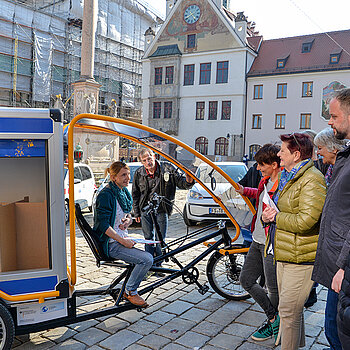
<point x="223" y="275"/>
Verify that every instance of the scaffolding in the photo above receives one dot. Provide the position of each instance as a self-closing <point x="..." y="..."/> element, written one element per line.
<point x="40" y="44"/>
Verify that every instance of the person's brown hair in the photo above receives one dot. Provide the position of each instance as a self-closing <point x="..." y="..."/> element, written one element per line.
<point x="267" y="154"/>
<point x="343" y="96"/>
<point x="298" y="142"/>
<point x="115" y="167"/>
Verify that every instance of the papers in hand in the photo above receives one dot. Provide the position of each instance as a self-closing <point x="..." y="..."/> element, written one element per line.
<point x="141" y="240"/>
<point x="268" y="201"/>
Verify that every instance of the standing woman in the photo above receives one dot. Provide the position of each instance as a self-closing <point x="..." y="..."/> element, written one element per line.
<point x="113" y="205"/>
<point x="293" y="233"/>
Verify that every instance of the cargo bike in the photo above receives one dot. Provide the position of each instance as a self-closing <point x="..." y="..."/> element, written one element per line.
<point x="37" y="288"/>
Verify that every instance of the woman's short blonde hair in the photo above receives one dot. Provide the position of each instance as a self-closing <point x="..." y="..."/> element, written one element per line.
<point x="115" y="167"/>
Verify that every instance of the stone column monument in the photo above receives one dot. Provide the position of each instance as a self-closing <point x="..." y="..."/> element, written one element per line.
<point x="86" y="88"/>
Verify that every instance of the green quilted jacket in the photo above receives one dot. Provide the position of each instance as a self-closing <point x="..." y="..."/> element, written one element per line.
<point x="297" y="224"/>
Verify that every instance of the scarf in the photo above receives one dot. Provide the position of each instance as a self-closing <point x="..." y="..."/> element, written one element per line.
<point x="328" y="175"/>
<point x="123" y="197"/>
<point x="286" y="177"/>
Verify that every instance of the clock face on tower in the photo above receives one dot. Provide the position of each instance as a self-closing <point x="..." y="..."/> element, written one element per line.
<point x="192" y="14"/>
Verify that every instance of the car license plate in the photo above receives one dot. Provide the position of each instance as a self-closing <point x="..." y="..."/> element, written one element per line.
<point x="216" y="211"/>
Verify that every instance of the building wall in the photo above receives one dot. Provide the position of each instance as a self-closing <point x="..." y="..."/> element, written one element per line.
<point x="292" y="106"/>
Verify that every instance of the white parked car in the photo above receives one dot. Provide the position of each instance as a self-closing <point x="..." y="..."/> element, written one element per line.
<point x="199" y="204"/>
<point x="133" y="166"/>
<point x="84" y="187"/>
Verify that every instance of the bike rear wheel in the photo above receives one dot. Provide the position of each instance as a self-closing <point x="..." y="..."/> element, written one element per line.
<point x="223" y="275"/>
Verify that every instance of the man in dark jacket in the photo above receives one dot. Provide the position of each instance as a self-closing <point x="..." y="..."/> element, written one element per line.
<point x="155" y="177"/>
<point x="334" y="238"/>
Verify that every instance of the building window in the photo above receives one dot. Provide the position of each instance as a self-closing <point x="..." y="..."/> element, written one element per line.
<point x="252" y="150"/>
<point x="226" y="110"/>
<point x="205" y="71"/>
<point x="256" y="121"/>
<point x="157" y="109"/>
<point x="168" y="109"/>
<point x="200" y="106"/>
<point x="213" y="110"/>
<point x="221" y="146"/>
<point x="189" y="74"/>
<point x="169" y="75"/>
<point x="201" y="145"/>
<point x="191" y="41"/>
<point x="222" y="72"/>
<point x="306" y="47"/>
<point x="334" y="58"/>
<point x="258" y="92"/>
<point x="281" y="90"/>
<point x="281" y="63"/>
<point x="280" y="122"/>
<point x="158" y="76"/>
<point x="307" y="89"/>
<point x="305" y="121"/>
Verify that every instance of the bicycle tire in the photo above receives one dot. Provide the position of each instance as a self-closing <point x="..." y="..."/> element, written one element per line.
<point x="7" y="328"/>
<point x="223" y="275"/>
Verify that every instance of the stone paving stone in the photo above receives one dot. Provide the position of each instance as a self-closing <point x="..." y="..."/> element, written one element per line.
<point x="136" y="347"/>
<point x="317" y="346"/>
<point x="253" y="346"/>
<point x="120" y="340"/>
<point x="36" y="343"/>
<point x="91" y="336"/>
<point x="175" y="328"/>
<point x="226" y="341"/>
<point x="194" y="297"/>
<point x="112" y="325"/>
<point x="173" y="346"/>
<point x="144" y="327"/>
<point x="222" y="317"/>
<point x="210" y="347"/>
<point x="175" y="296"/>
<point x="70" y="344"/>
<point x="322" y="339"/>
<point x="195" y="314"/>
<point x="193" y="340"/>
<point x="95" y="347"/>
<point x="236" y="306"/>
<point x="313" y="318"/>
<point x="159" y="317"/>
<point x="208" y="328"/>
<point x="59" y="334"/>
<point x="239" y="330"/>
<point x="131" y="315"/>
<point x="210" y="304"/>
<point x="251" y="318"/>
<point x="177" y="307"/>
<point x="312" y="331"/>
<point x="154" y="341"/>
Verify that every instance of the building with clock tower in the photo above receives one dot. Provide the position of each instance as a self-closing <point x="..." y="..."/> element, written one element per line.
<point x="194" y="76"/>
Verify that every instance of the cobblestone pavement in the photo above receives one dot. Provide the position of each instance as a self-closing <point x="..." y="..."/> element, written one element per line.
<point x="179" y="317"/>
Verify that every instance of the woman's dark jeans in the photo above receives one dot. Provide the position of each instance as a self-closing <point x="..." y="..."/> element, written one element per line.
<point x="255" y="266"/>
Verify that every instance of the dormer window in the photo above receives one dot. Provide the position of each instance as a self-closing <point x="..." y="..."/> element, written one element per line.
<point x="306" y="47"/>
<point x="281" y="63"/>
<point x="334" y="58"/>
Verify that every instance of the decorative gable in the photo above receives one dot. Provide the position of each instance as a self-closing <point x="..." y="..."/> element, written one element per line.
<point x="195" y="26"/>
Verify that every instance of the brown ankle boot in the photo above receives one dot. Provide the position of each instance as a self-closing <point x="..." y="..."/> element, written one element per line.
<point x="135" y="299"/>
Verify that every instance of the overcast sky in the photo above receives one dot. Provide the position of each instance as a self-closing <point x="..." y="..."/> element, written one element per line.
<point x="284" y="18"/>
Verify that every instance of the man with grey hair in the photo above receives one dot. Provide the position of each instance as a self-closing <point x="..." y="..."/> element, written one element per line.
<point x="334" y="237"/>
<point x="161" y="178"/>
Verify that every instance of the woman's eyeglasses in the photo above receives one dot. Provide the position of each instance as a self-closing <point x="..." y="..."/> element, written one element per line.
<point x="295" y="139"/>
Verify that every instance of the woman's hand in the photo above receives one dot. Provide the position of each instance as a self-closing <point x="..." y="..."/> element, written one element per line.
<point x="337" y="280"/>
<point x="268" y="214"/>
<point x="126" y="222"/>
<point x="241" y="189"/>
<point x="128" y="243"/>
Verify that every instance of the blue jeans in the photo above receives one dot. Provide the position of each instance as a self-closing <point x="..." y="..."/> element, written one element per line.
<point x="330" y="321"/>
<point x="149" y="231"/>
<point x="141" y="259"/>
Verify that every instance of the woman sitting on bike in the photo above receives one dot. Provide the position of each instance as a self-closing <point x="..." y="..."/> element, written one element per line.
<point x="113" y="205"/>
<point x="293" y="233"/>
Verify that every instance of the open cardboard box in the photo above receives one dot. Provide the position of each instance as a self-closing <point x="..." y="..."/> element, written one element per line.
<point x="23" y="236"/>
